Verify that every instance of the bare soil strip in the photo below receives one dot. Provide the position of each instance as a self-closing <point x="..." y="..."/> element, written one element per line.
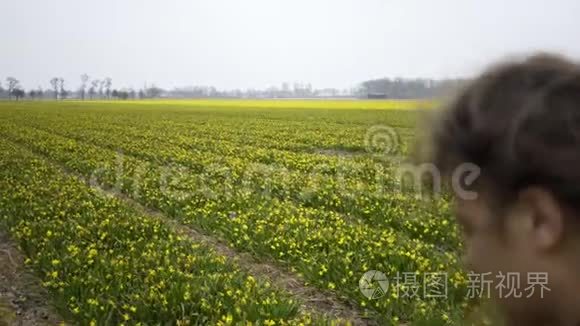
<point x="23" y="302"/>
<point x="313" y="299"/>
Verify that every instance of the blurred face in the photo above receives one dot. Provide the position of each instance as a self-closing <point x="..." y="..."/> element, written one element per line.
<point x="484" y="249"/>
<point x="520" y="248"/>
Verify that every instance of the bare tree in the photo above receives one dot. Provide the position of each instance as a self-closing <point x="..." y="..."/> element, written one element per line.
<point x="84" y="81"/>
<point x="54" y="83"/>
<point x="123" y="94"/>
<point x="94" y="86"/>
<point x="39" y="92"/>
<point x="18" y="93"/>
<point x="153" y="91"/>
<point x="101" y="87"/>
<point x="12" y="85"/>
<point x="63" y="92"/>
<point x="108" y="83"/>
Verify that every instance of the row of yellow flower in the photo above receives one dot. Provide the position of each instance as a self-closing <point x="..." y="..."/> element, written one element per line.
<point x="105" y="264"/>
<point x="360" y="188"/>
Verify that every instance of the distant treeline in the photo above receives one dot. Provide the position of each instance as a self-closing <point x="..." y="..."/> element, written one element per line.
<point x="101" y="89"/>
<point x="92" y="89"/>
<point x="400" y="88"/>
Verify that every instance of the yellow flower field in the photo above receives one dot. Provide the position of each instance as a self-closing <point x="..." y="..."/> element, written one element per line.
<point x="301" y="184"/>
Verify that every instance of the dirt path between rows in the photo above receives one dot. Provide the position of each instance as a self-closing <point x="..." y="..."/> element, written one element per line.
<point x="23" y="302"/>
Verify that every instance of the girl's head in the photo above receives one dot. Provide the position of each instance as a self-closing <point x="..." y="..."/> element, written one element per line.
<point x="520" y="124"/>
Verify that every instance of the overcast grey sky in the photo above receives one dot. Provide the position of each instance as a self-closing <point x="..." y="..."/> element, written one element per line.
<point x="257" y="43"/>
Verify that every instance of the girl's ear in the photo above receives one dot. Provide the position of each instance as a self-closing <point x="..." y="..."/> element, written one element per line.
<point x="544" y="218"/>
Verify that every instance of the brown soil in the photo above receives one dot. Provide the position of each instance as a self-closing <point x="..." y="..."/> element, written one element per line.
<point x="23" y="302"/>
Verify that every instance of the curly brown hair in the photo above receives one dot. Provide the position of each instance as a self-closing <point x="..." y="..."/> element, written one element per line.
<point x="520" y="123"/>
